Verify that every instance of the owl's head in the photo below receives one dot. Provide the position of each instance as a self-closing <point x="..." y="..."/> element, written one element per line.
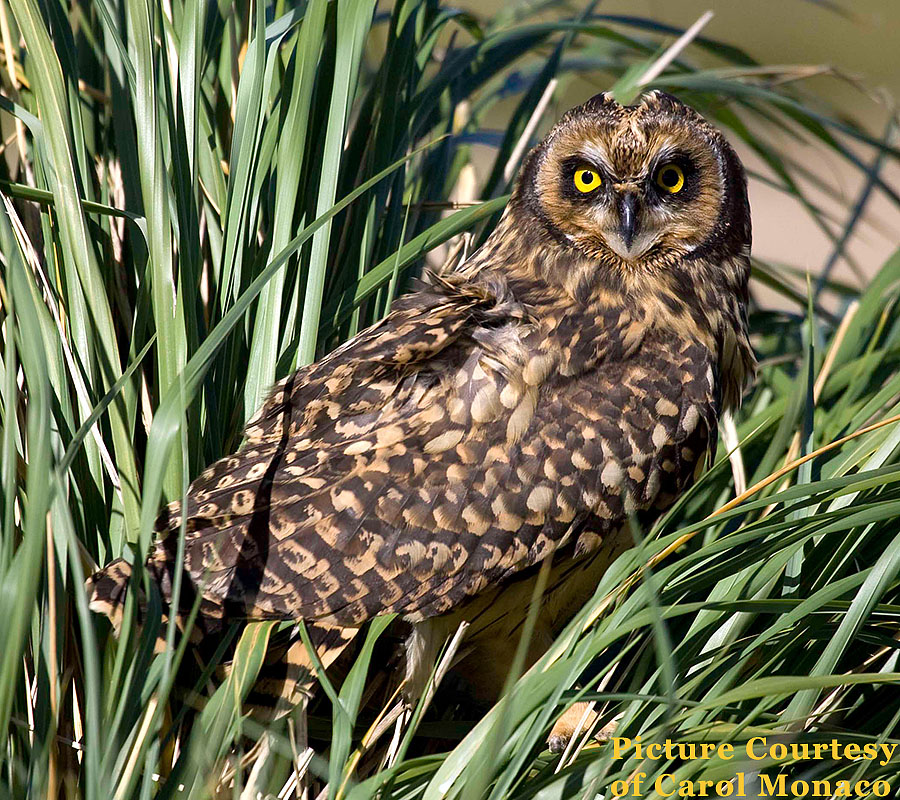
<point x="638" y="187"/>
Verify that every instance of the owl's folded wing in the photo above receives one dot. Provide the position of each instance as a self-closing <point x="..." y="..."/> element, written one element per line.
<point x="322" y="488"/>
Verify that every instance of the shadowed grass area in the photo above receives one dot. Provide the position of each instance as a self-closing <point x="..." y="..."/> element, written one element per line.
<point x="199" y="197"/>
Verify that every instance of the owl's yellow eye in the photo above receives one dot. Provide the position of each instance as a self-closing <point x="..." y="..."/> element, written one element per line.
<point x="586" y="180"/>
<point x="671" y="178"/>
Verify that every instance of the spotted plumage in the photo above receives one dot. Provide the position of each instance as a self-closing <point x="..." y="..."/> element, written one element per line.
<point x="569" y="374"/>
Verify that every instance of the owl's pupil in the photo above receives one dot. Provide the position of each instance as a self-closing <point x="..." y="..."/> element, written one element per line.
<point x="669" y="177"/>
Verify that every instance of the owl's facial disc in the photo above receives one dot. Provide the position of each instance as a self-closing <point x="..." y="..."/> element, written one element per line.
<point x="652" y="201"/>
<point x="640" y="209"/>
<point x="633" y="186"/>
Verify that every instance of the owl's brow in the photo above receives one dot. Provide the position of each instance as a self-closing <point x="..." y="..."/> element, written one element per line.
<point x="667" y="151"/>
<point x="595" y="154"/>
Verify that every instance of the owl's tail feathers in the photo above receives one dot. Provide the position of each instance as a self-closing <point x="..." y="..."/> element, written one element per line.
<point x="107" y="589"/>
<point x="287" y="674"/>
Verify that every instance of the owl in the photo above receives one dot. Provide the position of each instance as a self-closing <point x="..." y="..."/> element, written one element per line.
<point x="566" y="376"/>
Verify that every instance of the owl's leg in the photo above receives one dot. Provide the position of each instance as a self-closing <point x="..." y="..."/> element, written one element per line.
<point x="484" y="670"/>
<point x="422" y="648"/>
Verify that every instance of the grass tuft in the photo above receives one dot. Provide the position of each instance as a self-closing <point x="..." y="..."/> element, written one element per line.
<point x="199" y="197"/>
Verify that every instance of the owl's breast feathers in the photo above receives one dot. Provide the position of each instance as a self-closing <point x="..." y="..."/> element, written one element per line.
<point x="479" y="427"/>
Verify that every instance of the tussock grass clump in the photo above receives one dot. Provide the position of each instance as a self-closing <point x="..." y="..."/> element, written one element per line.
<point x="198" y="198"/>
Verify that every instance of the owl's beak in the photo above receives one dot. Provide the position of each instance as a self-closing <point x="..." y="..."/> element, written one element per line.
<point x="628" y="221"/>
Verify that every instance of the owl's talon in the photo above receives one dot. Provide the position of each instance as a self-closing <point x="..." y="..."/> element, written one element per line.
<point x="557" y="743"/>
<point x="577" y="719"/>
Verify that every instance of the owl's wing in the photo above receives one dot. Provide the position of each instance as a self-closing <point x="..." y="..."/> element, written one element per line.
<point x="417" y="465"/>
<point x="322" y="512"/>
<point x="366" y="372"/>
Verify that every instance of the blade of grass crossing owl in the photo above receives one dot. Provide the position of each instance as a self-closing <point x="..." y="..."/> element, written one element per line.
<point x="346" y="711"/>
<point x="264" y="348"/>
<point x="339" y="309"/>
<point x="353" y="20"/>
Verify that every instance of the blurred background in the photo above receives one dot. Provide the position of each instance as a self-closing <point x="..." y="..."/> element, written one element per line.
<point x="852" y="51"/>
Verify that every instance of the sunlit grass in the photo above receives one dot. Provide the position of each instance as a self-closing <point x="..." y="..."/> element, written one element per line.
<point x="197" y="207"/>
